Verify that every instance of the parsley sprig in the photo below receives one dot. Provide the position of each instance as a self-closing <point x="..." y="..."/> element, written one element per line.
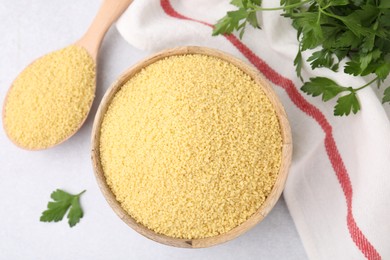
<point x="63" y="202"/>
<point x="356" y="30"/>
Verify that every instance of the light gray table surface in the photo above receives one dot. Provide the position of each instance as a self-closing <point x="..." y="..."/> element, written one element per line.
<point x="29" y="29"/>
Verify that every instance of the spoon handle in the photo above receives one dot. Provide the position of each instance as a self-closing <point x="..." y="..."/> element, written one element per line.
<point x="108" y="13"/>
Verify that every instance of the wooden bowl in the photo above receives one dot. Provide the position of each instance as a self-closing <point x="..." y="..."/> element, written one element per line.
<point x="257" y="216"/>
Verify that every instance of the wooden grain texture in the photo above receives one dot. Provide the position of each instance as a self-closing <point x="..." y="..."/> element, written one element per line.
<point x="258" y="215"/>
<point x="109" y="12"/>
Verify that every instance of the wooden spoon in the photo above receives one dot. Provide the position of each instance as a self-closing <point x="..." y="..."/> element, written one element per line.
<point x="108" y="13"/>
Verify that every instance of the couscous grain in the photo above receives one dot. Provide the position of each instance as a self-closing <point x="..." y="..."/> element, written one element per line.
<point x="50" y="98"/>
<point x="191" y="146"/>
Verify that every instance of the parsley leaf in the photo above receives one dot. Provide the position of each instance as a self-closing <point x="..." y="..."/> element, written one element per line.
<point x="238" y="3"/>
<point x="252" y="20"/>
<point x="336" y="30"/>
<point x="383" y="70"/>
<point x="353" y="67"/>
<point x="311" y="30"/>
<point x="347" y="103"/>
<point x="231" y="22"/>
<point x="322" y="58"/>
<point x="386" y="95"/>
<point x="237" y="20"/>
<point x="61" y="203"/>
<point x="384" y="4"/>
<point x="346" y="39"/>
<point x="338" y="2"/>
<point x="322" y="86"/>
<point x="298" y="61"/>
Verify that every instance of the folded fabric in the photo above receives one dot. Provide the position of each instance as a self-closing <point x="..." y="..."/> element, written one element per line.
<point x="338" y="189"/>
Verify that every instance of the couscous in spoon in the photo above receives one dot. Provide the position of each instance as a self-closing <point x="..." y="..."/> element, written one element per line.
<point x="50" y="99"/>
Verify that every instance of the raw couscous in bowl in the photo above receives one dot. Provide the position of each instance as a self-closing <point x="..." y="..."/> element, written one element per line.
<point x="191" y="147"/>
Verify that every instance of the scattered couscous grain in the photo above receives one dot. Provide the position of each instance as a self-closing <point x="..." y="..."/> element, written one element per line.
<point x="191" y="146"/>
<point x="50" y="98"/>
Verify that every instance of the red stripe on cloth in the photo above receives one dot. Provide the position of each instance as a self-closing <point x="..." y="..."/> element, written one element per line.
<point x="330" y="145"/>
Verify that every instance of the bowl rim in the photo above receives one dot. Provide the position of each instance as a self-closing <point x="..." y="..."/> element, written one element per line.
<point x="264" y="209"/>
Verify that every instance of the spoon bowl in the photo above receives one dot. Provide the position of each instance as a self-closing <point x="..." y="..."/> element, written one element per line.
<point x="89" y="45"/>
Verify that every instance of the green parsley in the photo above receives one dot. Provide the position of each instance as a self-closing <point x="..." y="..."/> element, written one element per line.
<point x="357" y="30"/>
<point x="57" y="209"/>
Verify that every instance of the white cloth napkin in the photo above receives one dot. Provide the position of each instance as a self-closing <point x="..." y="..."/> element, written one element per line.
<point x="338" y="189"/>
